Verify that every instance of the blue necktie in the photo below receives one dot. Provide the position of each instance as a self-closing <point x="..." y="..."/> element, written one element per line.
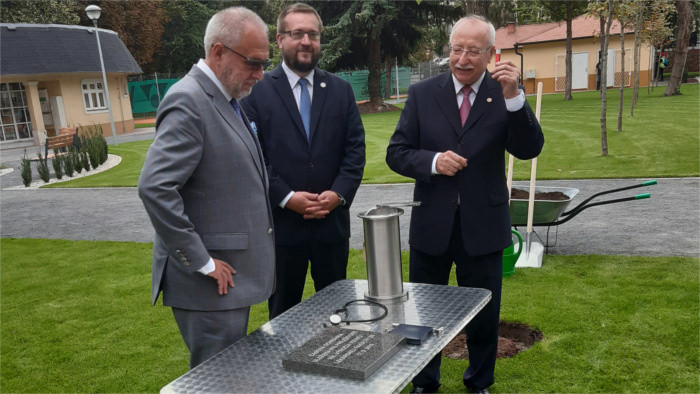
<point x="305" y="105"/>
<point x="234" y="104"/>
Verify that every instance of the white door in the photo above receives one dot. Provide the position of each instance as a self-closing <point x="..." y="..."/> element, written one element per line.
<point x="579" y="70"/>
<point x="611" y="67"/>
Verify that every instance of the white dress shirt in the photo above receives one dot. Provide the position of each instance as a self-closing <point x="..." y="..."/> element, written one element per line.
<point x="512" y="104"/>
<point x="293" y="79"/>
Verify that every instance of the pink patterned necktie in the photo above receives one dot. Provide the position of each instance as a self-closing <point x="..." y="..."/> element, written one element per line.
<point x="466" y="105"/>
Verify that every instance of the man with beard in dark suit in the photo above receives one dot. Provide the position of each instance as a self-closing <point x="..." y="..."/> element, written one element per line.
<point x="313" y="140"/>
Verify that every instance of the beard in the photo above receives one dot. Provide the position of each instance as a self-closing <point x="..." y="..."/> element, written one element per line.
<point x="238" y="89"/>
<point x="242" y="89"/>
<point x="291" y="59"/>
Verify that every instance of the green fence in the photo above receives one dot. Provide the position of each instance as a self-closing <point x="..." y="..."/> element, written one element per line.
<point x="358" y="81"/>
<point x="145" y="97"/>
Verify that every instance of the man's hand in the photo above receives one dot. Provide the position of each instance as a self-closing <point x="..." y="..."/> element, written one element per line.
<point x="303" y="203"/>
<point x="448" y="163"/>
<point x="328" y="201"/>
<point x="223" y="273"/>
<point x="507" y="74"/>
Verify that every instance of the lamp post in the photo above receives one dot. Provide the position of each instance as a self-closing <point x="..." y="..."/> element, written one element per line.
<point x="93" y="12"/>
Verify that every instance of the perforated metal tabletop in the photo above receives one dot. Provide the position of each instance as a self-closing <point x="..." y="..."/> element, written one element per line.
<point x="254" y="364"/>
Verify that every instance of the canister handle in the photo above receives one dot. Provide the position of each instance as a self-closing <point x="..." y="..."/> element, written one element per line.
<point x="399" y="204"/>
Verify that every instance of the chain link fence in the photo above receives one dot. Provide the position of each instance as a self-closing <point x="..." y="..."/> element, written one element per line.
<point x="147" y="90"/>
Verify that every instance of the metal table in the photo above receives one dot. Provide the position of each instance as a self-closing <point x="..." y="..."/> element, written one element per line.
<point x="254" y="364"/>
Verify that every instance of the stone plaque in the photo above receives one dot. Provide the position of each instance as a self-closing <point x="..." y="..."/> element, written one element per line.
<point x="344" y="353"/>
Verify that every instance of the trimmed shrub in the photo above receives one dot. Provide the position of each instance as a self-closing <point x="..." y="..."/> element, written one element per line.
<point x="92" y="142"/>
<point x="84" y="159"/>
<point x="75" y="157"/>
<point x="26" y="166"/>
<point x="42" y="168"/>
<point x="67" y="160"/>
<point x="56" y="163"/>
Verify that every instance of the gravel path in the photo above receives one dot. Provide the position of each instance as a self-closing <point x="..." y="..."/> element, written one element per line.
<point x="665" y="225"/>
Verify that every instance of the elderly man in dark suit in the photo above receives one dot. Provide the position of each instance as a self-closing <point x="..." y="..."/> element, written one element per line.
<point x="205" y="188"/>
<point x="451" y="138"/>
<point x="313" y="141"/>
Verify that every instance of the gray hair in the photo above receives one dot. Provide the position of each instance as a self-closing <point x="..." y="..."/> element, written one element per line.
<point x="492" y="30"/>
<point x="228" y="25"/>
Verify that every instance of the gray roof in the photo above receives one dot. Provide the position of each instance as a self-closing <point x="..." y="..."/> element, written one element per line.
<point x="47" y="49"/>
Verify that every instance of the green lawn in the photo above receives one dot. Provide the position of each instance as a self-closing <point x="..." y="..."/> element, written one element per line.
<point x="125" y="174"/>
<point x="661" y="140"/>
<point x="76" y="317"/>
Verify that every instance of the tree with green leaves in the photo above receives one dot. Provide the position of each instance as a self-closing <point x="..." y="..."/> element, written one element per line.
<point x="139" y="24"/>
<point x="567" y="11"/>
<point x="650" y="26"/>
<point x="183" y="32"/>
<point x="367" y="33"/>
<point x="64" y="12"/>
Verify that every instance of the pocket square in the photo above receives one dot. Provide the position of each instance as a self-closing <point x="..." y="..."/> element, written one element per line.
<point x="254" y="127"/>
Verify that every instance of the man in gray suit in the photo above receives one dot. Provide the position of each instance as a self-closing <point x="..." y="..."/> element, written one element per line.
<point x="205" y="188"/>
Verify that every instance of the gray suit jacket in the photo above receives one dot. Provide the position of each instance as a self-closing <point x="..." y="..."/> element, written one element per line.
<point x="205" y="189"/>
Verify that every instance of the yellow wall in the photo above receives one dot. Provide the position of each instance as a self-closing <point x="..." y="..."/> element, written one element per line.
<point x="68" y="86"/>
<point x="542" y="58"/>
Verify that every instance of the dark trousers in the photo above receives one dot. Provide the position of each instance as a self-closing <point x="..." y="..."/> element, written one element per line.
<point x="329" y="263"/>
<point x="206" y="333"/>
<point x="482" y="332"/>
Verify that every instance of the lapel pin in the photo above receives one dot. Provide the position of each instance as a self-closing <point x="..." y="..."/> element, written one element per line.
<point x="488" y="100"/>
<point x="323" y="84"/>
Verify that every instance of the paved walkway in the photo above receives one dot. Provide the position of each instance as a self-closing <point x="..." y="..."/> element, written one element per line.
<point x="665" y="225"/>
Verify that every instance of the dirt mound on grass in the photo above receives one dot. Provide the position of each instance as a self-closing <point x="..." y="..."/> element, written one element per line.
<point x="367" y="108"/>
<point x="513" y="338"/>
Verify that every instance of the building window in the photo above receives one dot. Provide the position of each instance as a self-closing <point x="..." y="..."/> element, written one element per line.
<point x="15" y="123"/>
<point x="94" y="95"/>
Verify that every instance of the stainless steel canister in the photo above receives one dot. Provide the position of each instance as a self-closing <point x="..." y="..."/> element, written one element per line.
<point x="383" y="251"/>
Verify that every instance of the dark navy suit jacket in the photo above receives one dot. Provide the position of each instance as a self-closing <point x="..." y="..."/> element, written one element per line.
<point x="334" y="159"/>
<point x="429" y="124"/>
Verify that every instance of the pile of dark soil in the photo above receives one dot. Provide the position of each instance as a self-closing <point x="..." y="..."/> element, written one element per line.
<point x="368" y="108"/>
<point x="513" y="338"/>
<point x="518" y="194"/>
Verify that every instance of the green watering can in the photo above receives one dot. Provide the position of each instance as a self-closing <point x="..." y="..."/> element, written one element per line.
<point x="510" y="257"/>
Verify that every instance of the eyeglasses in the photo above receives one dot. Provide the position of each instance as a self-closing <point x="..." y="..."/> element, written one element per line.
<point x="299" y="34"/>
<point x="251" y="63"/>
<point x="469" y="52"/>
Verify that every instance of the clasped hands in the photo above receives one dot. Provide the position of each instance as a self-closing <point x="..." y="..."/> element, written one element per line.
<point x="312" y="205"/>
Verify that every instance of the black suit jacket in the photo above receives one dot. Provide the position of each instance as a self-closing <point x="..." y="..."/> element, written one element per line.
<point x="429" y="124"/>
<point x="334" y="159"/>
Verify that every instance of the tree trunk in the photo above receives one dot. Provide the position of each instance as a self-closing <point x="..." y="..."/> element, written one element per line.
<point x="569" y="35"/>
<point x="374" y="80"/>
<point x="637" y="55"/>
<point x="604" y="39"/>
<point x="622" y="76"/>
<point x="681" y="51"/>
<point x="387" y="80"/>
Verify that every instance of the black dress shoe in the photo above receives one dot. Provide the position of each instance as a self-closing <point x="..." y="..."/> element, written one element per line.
<point x="422" y="389"/>
<point x="479" y="391"/>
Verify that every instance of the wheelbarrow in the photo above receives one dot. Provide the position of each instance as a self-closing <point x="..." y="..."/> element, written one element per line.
<point x="553" y="212"/>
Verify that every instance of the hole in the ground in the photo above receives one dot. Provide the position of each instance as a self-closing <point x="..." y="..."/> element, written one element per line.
<point x="513" y="338"/>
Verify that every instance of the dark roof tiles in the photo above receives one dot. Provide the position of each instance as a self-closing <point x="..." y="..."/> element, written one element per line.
<point x="49" y="49"/>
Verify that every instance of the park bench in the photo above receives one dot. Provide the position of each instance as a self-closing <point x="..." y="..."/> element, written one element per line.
<point x="67" y="136"/>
